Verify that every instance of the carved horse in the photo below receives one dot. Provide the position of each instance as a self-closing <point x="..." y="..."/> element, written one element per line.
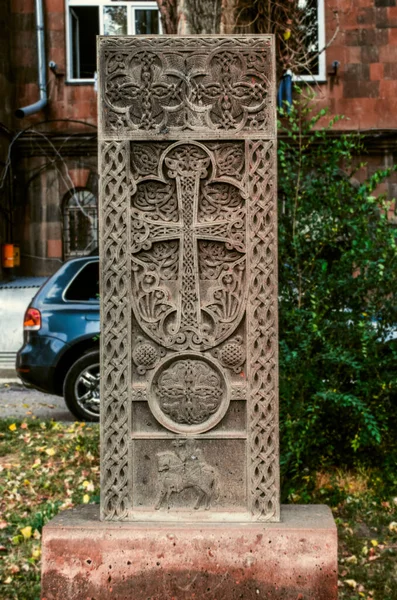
<point x="177" y="475"/>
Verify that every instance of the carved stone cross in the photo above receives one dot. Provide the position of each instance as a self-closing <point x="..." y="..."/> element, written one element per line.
<point x="188" y="165"/>
<point x="189" y="285"/>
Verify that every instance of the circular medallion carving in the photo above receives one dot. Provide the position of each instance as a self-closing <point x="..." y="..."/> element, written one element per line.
<point x="188" y="393"/>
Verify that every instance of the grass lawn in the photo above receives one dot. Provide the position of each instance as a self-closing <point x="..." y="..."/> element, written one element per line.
<point x="46" y="467"/>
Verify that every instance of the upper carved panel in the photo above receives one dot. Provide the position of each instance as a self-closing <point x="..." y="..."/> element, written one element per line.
<point x="188" y="246"/>
<point x="168" y="86"/>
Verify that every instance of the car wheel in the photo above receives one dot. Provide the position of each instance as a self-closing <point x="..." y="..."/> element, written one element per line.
<point x="81" y="388"/>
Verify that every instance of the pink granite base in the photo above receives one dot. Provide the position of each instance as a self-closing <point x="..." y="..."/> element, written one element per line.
<point x="85" y="559"/>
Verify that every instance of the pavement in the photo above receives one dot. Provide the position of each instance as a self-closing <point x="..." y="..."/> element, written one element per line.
<point x="18" y="402"/>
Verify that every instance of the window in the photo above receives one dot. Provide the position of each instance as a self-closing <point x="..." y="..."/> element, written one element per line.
<point x="80" y="224"/>
<point x="313" y="26"/>
<point x="85" y="286"/>
<point x="88" y="18"/>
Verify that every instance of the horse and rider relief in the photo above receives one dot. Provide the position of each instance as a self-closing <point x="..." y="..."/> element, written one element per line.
<point x="186" y="468"/>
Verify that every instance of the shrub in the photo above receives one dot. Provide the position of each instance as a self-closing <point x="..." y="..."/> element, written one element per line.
<point x="337" y="285"/>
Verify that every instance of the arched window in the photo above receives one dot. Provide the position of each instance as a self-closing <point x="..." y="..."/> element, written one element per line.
<point x="80" y="224"/>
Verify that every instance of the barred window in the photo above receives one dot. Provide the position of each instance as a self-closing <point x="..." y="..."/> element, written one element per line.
<point x="80" y="224"/>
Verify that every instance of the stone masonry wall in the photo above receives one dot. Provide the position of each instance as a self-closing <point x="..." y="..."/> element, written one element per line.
<point x="366" y="47"/>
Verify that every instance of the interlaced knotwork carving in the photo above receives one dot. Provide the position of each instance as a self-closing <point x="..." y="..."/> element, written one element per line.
<point x="115" y="330"/>
<point x="214" y="258"/>
<point x="157" y="199"/>
<point x="262" y="334"/>
<point x="161" y="87"/>
<point x="229" y="159"/>
<point x="167" y="247"/>
<point x="145" y="159"/>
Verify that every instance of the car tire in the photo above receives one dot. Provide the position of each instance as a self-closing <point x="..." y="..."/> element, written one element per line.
<point x="81" y="387"/>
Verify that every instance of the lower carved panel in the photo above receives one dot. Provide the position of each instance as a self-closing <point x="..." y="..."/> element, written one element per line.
<point x="189" y="474"/>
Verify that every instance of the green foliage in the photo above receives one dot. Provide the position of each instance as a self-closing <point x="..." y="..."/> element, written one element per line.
<point x="338" y="279"/>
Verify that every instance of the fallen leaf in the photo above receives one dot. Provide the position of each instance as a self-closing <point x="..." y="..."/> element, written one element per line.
<point x="393" y="526"/>
<point x="351" y="583"/>
<point x="89" y="486"/>
<point x="26" y="532"/>
<point x="24" y="425"/>
<point x="50" y="451"/>
<point x="86" y="499"/>
<point x="14" y="569"/>
<point x="12" y="427"/>
<point x="352" y="560"/>
<point x="8" y="580"/>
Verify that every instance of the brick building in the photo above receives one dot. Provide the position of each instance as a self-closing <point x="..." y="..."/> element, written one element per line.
<point x="49" y="186"/>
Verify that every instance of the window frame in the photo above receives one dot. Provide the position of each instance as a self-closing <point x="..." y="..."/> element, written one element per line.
<point x="131" y="8"/>
<point x="321" y="77"/>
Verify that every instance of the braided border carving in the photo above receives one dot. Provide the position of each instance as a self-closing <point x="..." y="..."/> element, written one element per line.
<point x="115" y="329"/>
<point x="262" y="334"/>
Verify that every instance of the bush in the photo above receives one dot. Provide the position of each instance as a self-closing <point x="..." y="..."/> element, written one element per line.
<point x="337" y="278"/>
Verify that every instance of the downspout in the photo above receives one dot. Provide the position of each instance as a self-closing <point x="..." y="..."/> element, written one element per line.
<point x="41" y="66"/>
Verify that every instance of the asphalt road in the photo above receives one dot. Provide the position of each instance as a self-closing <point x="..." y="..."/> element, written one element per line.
<point x="18" y="402"/>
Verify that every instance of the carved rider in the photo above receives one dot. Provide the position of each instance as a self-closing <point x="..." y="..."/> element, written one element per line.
<point x="190" y="455"/>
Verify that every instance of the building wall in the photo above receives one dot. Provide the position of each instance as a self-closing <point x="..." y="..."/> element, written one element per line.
<point x="60" y="150"/>
<point x="364" y="35"/>
<point x="65" y="101"/>
<point x="365" y="44"/>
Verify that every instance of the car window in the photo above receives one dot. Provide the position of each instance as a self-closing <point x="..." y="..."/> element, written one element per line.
<point x="85" y="286"/>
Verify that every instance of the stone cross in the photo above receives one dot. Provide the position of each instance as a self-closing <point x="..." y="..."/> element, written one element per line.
<point x="189" y="389"/>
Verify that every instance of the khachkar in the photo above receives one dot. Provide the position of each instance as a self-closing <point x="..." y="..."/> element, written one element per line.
<point x="188" y="290"/>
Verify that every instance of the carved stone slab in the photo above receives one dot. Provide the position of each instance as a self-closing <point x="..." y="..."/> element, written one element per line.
<point x="188" y="278"/>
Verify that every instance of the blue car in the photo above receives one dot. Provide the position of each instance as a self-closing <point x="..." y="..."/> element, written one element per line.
<point x="60" y="353"/>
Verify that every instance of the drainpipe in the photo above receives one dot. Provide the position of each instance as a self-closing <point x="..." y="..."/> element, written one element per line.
<point x="42" y="78"/>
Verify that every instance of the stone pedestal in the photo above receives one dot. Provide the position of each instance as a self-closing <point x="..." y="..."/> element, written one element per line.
<point x="85" y="559"/>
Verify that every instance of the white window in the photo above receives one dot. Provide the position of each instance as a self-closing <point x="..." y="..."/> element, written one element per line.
<point x="313" y="26"/>
<point x="86" y="19"/>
